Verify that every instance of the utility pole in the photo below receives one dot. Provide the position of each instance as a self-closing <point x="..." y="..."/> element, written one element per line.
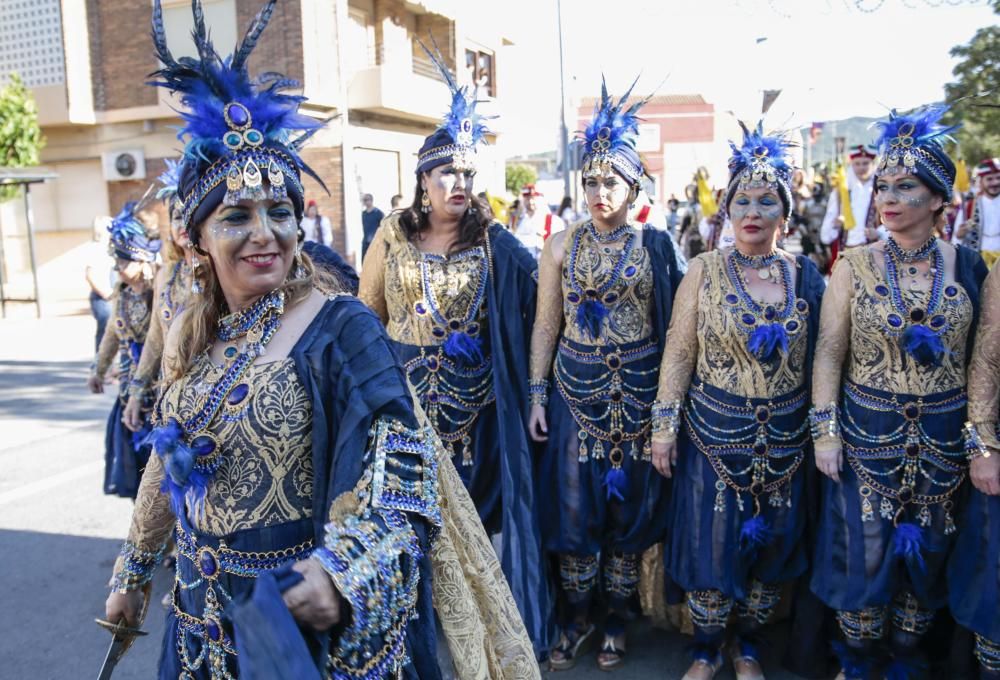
<point x="564" y="133"/>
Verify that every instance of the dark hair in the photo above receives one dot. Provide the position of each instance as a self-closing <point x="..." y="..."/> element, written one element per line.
<point x="567" y="202"/>
<point x="471" y="227"/>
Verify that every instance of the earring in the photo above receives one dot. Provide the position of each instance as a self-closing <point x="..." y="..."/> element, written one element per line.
<point x="300" y="271"/>
<point x="196" y="288"/>
<point x="425" y="203"/>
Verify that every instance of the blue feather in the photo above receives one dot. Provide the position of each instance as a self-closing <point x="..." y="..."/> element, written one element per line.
<point x="616" y="483"/>
<point x="906" y="668"/>
<point x="854" y="666"/>
<point x="622" y="122"/>
<point x="923" y="344"/>
<point x="754" y="533"/>
<point x="924" y="125"/>
<point x="767" y="338"/>
<point x="590" y="316"/>
<point x="169" y="179"/>
<point x="908" y="543"/>
<point x="773" y="149"/>
<point x="460" y="345"/>
<point x="463" y="103"/>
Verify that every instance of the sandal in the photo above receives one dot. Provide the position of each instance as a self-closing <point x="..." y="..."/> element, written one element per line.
<point x="610" y="657"/>
<point x="746" y="673"/>
<point x="713" y="667"/>
<point x="572" y="644"/>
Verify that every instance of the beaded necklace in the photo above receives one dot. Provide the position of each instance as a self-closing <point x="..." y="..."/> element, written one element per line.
<point x="763" y="264"/>
<point x="461" y="330"/>
<point x="591" y="302"/>
<point x="767" y="326"/>
<point x="921" y="327"/>
<point x="191" y="455"/>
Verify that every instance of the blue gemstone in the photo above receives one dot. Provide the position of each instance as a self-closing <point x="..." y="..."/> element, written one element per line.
<point x="252" y="136"/>
<point x="610" y="297"/>
<point x="438" y="332"/>
<point x="882" y="290"/>
<point x="749" y="319"/>
<point x="591" y="293"/>
<point x="208" y="564"/>
<point x="230" y="352"/>
<point x="732" y="299"/>
<point x="432" y="397"/>
<point x="801" y="305"/>
<point x="203" y="445"/>
<point x="916" y="315"/>
<point x="769" y="313"/>
<point x="233" y="139"/>
<point x="213" y="630"/>
<point x="951" y="291"/>
<point x="937" y="321"/>
<point x="454" y="324"/>
<point x="238" y="115"/>
<point x="894" y="320"/>
<point x="573" y="297"/>
<point x="238" y="394"/>
<point x="792" y="325"/>
<point x="420" y="308"/>
<point x="630" y="270"/>
<point x="473" y="328"/>
<point x="432" y="363"/>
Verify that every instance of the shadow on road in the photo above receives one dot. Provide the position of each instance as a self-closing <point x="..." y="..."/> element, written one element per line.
<point x="49" y="390"/>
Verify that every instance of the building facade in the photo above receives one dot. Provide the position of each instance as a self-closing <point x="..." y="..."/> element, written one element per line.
<point x="359" y="62"/>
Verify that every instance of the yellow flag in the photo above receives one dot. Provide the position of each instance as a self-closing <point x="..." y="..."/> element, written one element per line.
<point x="961" y="176"/>
<point x="705" y="197"/>
<point x="844" y="193"/>
<point x="499" y="208"/>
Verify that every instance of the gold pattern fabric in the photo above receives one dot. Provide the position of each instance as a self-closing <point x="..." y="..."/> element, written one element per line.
<point x="152" y="518"/>
<point x="548" y="311"/>
<point x="173" y="286"/>
<point x="705" y="338"/>
<point x="266" y="476"/>
<point x="129" y="322"/>
<point x="630" y="316"/>
<point x="984" y="369"/>
<point x="393" y="285"/>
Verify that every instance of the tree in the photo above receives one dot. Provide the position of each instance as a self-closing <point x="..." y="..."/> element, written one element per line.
<point x="21" y="138"/>
<point x="977" y="73"/>
<point x="518" y="175"/>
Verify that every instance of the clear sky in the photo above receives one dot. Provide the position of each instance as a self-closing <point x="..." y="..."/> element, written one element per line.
<point x="831" y="59"/>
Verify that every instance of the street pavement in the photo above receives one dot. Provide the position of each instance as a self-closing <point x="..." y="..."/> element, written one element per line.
<point x="59" y="535"/>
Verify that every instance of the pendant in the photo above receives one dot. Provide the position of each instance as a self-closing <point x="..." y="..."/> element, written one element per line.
<point x="764" y="274"/>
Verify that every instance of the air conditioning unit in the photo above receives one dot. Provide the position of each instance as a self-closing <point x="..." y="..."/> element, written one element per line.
<point x="123" y="165"/>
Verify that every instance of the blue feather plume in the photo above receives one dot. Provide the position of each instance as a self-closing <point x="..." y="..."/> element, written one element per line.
<point x="923" y="344"/>
<point x="926" y="127"/>
<point x="615" y="483"/>
<point x="754" y="533"/>
<point x="464" y="347"/>
<point x="756" y="145"/>
<point x="590" y="316"/>
<point x="621" y="121"/>
<point x="128" y="237"/>
<point x="908" y="543"/>
<point x="463" y="103"/>
<point x="766" y="339"/>
<point x="169" y="179"/>
<point x="206" y="84"/>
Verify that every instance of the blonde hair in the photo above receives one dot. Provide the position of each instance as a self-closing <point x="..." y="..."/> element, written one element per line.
<point x="200" y="320"/>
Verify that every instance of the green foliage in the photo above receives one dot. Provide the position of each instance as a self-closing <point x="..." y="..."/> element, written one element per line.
<point x="21" y="138"/>
<point x="518" y="175"/>
<point x="977" y="73"/>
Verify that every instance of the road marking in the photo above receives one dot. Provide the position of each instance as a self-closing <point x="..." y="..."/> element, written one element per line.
<point x="50" y="482"/>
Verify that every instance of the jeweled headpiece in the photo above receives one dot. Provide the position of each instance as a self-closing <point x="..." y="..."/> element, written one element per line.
<point x="912" y="144"/>
<point x="237" y="131"/>
<point x="128" y="238"/>
<point x="761" y="161"/>
<point x="462" y="129"/>
<point x="610" y="139"/>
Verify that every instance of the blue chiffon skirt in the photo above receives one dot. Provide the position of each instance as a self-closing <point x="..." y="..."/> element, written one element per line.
<point x="974" y="568"/>
<point x="461" y="391"/>
<point x="704" y="550"/>
<point x="583" y="516"/>
<point x="123" y="460"/>
<point x="857" y="561"/>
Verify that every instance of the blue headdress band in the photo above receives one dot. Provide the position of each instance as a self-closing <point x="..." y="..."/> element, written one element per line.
<point x="128" y="239"/>
<point x="913" y="144"/>
<point x="761" y="161"/>
<point x="238" y="132"/>
<point x="610" y="138"/>
<point x="462" y="129"/>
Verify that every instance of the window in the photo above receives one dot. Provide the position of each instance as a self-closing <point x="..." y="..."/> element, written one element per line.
<point x="480" y="71"/>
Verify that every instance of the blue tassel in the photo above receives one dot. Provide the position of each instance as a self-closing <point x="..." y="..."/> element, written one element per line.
<point x="908" y="542"/>
<point x="923" y="344"/>
<point x="165" y="438"/>
<point x="754" y="533"/>
<point x="766" y="339"/>
<point x="140" y="436"/>
<point x="855" y="668"/>
<point x="590" y="317"/>
<point x="615" y="482"/>
<point x="461" y="345"/>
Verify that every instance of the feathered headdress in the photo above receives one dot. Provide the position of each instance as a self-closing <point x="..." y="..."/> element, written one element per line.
<point x="610" y="138"/>
<point x="129" y="240"/>
<point x="462" y="129"/>
<point x="761" y="161"/>
<point x="168" y="181"/>
<point x="914" y="144"/>
<point x="237" y="130"/>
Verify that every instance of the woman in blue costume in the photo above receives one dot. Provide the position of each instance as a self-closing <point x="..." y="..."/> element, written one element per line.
<point x="974" y="569"/>
<point x="456" y="292"/>
<point x="732" y="414"/>
<point x="135" y="256"/>
<point x="312" y="518"/>
<point x="889" y="395"/>
<point x="604" y="296"/>
<point x="175" y="282"/>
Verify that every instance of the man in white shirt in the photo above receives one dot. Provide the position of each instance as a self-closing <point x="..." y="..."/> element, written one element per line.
<point x="978" y="222"/>
<point x="860" y="184"/>
<point x="536" y="222"/>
